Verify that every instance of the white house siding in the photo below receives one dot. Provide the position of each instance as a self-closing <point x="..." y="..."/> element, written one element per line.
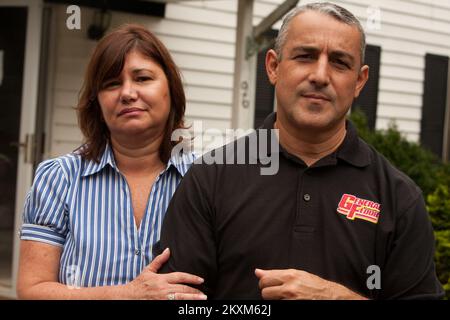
<point x="409" y="30"/>
<point x="199" y="34"/>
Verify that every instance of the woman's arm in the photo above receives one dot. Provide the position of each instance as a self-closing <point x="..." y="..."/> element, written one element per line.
<point x="38" y="279"/>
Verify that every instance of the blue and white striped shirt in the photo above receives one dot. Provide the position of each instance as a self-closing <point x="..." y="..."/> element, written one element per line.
<point x="85" y="207"/>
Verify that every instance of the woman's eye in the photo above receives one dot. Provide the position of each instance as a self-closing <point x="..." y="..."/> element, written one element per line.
<point x="111" y="84"/>
<point x="143" y="79"/>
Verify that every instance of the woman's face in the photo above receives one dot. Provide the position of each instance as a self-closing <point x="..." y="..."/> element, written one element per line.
<point x="137" y="101"/>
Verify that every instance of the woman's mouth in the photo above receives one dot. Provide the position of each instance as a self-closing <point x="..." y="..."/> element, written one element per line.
<point x="129" y="111"/>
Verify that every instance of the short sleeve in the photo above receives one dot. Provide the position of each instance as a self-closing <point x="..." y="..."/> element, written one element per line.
<point x="410" y="272"/>
<point x="44" y="216"/>
<point x="188" y="225"/>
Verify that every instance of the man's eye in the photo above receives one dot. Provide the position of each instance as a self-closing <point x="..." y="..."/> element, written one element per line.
<point x="342" y="64"/>
<point x="304" y="57"/>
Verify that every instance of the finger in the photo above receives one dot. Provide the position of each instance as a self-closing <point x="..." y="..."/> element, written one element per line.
<point x="272" y="293"/>
<point x="184" y="289"/>
<point x="260" y="273"/>
<point x="269" y="278"/>
<point x="190" y="296"/>
<point x="182" y="277"/>
<point x="278" y="273"/>
<point x="159" y="261"/>
<point x="268" y="281"/>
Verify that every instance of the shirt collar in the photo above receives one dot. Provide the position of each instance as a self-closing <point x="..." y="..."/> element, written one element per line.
<point x="352" y="150"/>
<point x="93" y="167"/>
<point x="181" y="162"/>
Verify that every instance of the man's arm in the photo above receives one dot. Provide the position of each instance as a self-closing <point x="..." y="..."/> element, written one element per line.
<point x="188" y="228"/>
<point x="410" y="271"/>
<point x="408" y="274"/>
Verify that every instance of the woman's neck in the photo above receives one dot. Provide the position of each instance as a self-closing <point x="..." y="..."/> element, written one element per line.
<point x="137" y="157"/>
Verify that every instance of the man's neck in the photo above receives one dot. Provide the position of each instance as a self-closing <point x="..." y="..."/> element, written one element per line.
<point x="310" y="148"/>
<point x="137" y="157"/>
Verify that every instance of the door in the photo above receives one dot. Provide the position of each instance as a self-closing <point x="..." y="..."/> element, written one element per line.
<point x="20" y="36"/>
<point x="13" y="21"/>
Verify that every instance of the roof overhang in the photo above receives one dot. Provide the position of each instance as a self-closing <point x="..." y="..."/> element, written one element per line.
<point x="150" y="8"/>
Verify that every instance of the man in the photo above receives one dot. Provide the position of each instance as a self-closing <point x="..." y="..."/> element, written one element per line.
<point x="336" y="221"/>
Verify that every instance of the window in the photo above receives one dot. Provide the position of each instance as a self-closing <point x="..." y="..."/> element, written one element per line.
<point x="434" y="129"/>
<point x="264" y="93"/>
<point x="368" y="99"/>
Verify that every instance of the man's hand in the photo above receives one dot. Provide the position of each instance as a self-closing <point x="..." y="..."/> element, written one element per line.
<point x="300" y="285"/>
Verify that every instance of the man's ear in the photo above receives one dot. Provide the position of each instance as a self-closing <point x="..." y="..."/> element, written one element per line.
<point x="363" y="76"/>
<point x="272" y="66"/>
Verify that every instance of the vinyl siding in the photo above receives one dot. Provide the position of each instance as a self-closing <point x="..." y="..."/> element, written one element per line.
<point x="201" y="35"/>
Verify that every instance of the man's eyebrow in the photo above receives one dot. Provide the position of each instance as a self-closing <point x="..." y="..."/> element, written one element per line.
<point x="335" y="53"/>
<point x="305" y="49"/>
<point x="343" y="54"/>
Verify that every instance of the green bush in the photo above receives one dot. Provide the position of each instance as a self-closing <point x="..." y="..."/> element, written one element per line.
<point x="419" y="164"/>
<point x="438" y="205"/>
<point x="430" y="174"/>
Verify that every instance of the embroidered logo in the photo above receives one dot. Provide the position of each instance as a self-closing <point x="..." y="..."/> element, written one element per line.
<point x="354" y="207"/>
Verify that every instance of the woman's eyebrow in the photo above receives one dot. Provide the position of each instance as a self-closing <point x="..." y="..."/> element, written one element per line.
<point x="138" y="70"/>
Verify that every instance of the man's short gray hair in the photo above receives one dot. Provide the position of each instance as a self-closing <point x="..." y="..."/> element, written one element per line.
<point x="330" y="9"/>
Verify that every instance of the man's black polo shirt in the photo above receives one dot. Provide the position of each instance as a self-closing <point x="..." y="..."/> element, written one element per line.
<point x="349" y="211"/>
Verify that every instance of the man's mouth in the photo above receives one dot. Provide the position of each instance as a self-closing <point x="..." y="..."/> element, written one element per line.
<point x="316" y="96"/>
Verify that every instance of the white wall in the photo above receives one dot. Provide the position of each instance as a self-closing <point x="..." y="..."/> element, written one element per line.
<point x="409" y="30"/>
<point x="200" y="35"/>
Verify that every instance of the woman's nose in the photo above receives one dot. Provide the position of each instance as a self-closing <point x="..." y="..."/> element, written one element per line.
<point x="128" y="93"/>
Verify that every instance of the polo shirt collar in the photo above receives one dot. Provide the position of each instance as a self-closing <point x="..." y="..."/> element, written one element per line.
<point x="352" y="150"/>
<point x="181" y="162"/>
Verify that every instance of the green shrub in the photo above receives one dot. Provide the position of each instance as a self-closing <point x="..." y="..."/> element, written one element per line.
<point x="429" y="173"/>
<point x="419" y="164"/>
<point x="442" y="258"/>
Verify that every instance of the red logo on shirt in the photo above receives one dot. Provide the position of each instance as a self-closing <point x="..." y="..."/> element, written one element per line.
<point x="354" y="207"/>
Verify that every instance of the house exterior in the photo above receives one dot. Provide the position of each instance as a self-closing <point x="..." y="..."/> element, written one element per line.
<point x="42" y="63"/>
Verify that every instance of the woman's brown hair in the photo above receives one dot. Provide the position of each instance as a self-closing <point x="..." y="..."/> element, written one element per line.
<point x="106" y="63"/>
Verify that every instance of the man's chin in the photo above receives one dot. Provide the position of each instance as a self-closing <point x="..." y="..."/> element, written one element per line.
<point x="312" y="120"/>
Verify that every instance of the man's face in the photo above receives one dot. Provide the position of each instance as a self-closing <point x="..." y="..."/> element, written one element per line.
<point x="319" y="74"/>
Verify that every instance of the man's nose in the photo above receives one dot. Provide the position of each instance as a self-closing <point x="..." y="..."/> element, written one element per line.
<point x="319" y="75"/>
<point x="128" y="92"/>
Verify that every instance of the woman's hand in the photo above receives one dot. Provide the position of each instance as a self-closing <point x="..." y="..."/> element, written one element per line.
<point x="173" y="286"/>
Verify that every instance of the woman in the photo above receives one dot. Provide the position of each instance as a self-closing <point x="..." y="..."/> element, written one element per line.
<point x="92" y="217"/>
